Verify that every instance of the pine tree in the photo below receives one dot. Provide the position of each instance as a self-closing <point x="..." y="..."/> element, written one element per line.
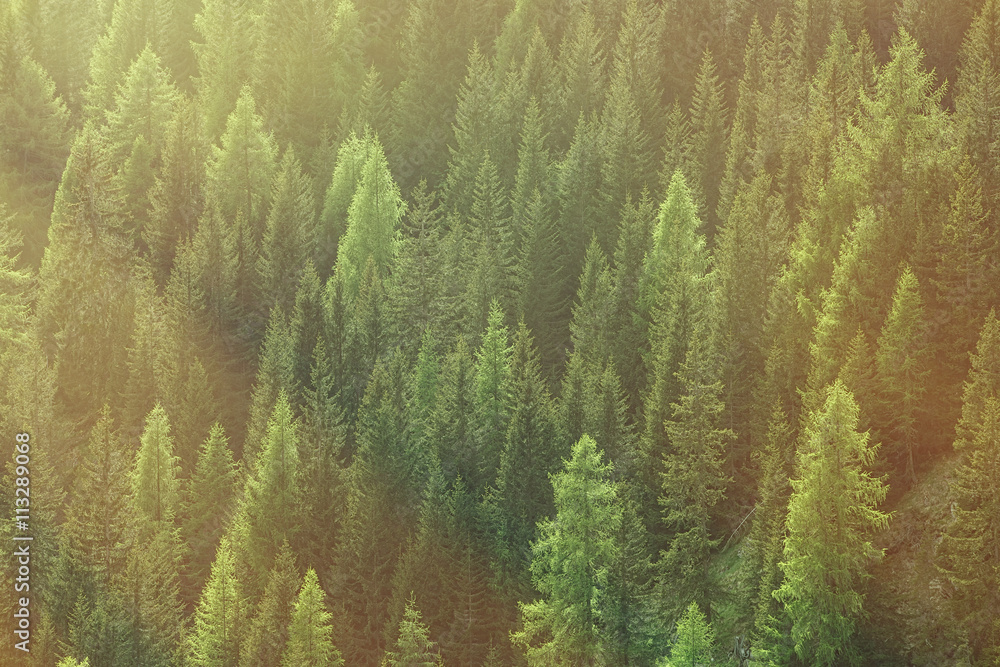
<point x="693" y="480"/>
<point x="576" y="181"/>
<point x="288" y="236"/>
<point x="967" y="554"/>
<point x="581" y="74"/>
<point x="830" y="513"/>
<point x="219" y="621"/>
<point x="372" y="222"/>
<point x="267" y="630"/>
<point x="309" y="634"/>
<point x="207" y="502"/>
<point x="413" y="648"/>
<point x="154" y="481"/>
<point x="902" y="360"/>
<point x="695" y="639"/>
<point x="570" y="563"/>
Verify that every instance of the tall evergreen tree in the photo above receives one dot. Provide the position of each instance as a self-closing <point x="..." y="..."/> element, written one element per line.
<point x="570" y="563"/>
<point x="830" y="514"/>
<point x="154" y="481"/>
<point x="309" y="634"/>
<point x="220" y="619"/>
<point x="902" y="360"/>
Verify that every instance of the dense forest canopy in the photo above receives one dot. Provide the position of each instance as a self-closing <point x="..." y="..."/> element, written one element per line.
<point x="599" y="332"/>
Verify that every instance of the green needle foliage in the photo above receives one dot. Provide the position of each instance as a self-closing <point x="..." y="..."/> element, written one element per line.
<point x="831" y="514"/>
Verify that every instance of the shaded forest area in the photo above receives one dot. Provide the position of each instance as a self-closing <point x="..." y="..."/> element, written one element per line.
<point x="615" y="332"/>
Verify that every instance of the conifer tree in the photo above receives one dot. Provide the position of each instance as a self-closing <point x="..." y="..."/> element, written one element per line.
<point x="268" y="514"/>
<point x="176" y="197"/>
<point x="967" y="555"/>
<point x="708" y="141"/>
<point x="99" y="517"/>
<point x="372" y="222"/>
<point x="982" y="383"/>
<point x="207" y="502"/>
<point x="309" y="635"/>
<point x="416" y="274"/>
<point x="830" y="513"/>
<point x="228" y="38"/>
<point x="413" y="648"/>
<point x="965" y="280"/>
<point x="288" y="236"/>
<point x="134" y="25"/>
<point x="352" y="154"/>
<point x="276" y="374"/>
<point x="490" y="259"/>
<point x="977" y="108"/>
<point x="154" y="481"/>
<point x="241" y="170"/>
<point x="220" y="619"/>
<point x="570" y="563"/>
<point x="451" y="424"/>
<point x="474" y="130"/>
<point x="695" y="639"/>
<point x="693" y="480"/>
<point x="581" y="78"/>
<point x="267" y="630"/>
<point x="492" y="403"/>
<point x="902" y="360"/>
<point x="531" y="450"/>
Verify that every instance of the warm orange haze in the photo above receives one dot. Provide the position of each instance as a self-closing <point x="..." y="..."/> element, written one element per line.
<point x="506" y="333"/>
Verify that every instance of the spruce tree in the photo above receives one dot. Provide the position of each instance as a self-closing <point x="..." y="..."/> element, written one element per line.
<point x="492" y="401"/>
<point x="902" y="360"/>
<point x="220" y="619"/>
<point x="267" y="630"/>
<point x="695" y="639"/>
<point x="154" y="481"/>
<point x="693" y="480"/>
<point x="289" y="235"/>
<point x="206" y="506"/>
<point x="570" y="563"/>
<point x="413" y="648"/>
<point x="967" y="554"/>
<point x="309" y="635"/>
<point x="241" y="170"/>
<point x="373" y="220"/>
<point x="832" y="509"/>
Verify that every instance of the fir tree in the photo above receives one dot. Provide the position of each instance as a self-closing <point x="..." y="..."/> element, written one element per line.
<point x="309" y="634"/>
<point x="413" y="648"/>
<point x="902" y="361"/>
<point x="830" y="513"/>
<point x="267" y="630"/>
<point x="220" y="619"/>
<point x="154" y="481"/>
<point x="570" y="563"/>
